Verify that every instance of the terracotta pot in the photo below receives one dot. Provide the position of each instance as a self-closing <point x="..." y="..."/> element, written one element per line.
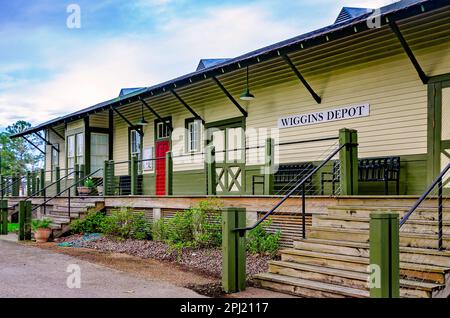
<point x="84" y="191"/>
<point x="42" y="235"/>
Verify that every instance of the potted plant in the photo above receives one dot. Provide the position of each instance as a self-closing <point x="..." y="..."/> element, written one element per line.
<point x="87" y="188"/>
<point x="42" y="230"/>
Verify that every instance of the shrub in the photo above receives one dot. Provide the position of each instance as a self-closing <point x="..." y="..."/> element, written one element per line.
<point x="92" y="223"/>
<point x="126" y="224"/>
<point x="40" y="224"/>
<point x="259" y="241"/>
<point x="159" y="230"/>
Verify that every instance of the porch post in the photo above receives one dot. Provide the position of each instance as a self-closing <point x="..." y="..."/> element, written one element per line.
<point x="211" y="170"/>
<point x="42" y="181"/>
<point x="108" y="177"/>
<point x="76" y="179"/>
<point x="384" y="255"/>
<point x="233" y="250"/>
<point x="134" y="175"/>
<point x="269" y="166"/>
<point x="82" y="172"/>
<point x="16" y="185"/>
<point x="169" y="173"/>
<point x="57" y="177"/>
<point x="29" y="183"/>
<point x="25" y="220"/>
<point x="348" y="157"/>
<point x="33" y="183"/>
<point x="3" y="217"/>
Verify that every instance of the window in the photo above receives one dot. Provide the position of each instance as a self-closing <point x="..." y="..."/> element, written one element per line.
<point x="99" y="151"/>
<point x="162" y="131"/>
<point x="193" y="135"/>
<point x="75" y="151"/>
<point x="136" y="147"/>
<point x="54" y="160"/>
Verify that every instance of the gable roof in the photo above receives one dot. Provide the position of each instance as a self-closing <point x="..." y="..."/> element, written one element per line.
<point x="207" y="63"/>
<point x="399" y="10"/>
<point x="348" y="13"/>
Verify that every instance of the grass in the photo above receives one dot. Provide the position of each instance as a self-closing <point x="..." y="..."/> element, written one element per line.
<point x="13" y="227"/>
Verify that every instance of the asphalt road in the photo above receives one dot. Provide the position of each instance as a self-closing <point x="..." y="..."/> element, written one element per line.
<point x="32" y="272"/>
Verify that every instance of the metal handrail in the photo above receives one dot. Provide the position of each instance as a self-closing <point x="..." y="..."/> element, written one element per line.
<point x="293" y="190"/>
<point x="68" y="188"/>
<point x="437" y="181"/>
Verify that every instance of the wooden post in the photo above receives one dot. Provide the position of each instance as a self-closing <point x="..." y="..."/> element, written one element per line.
<point x="134" y="175"/>
<point x="33" y="183"/>
<point x="42" y="181"/>
<point x="349" y="161"/>
<point x="3" y="217"/>
<point x="25" y="220"/>
<point x="15" y="185"/>
<point x="76" y="179"/>
<point x="108" y="178"/>
<point x="57" y="177"/>
<point x="29" y="184"/>
<point x="384" y="255"/>
<point x="233" y="250"/>
<point x="169" y="173"/>
<point x="2" y="185"/>
<point x="82" y="172"/>
<point x="211" y="170"/>
<point x="269" y="166"/>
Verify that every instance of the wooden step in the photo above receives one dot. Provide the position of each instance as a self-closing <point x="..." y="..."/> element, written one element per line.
<point x="407" y="254"/>
<point x="406" y="239"/>
<point x="363" y="223"/>
<point x="428" y="273"/>
<point x="306" y="288"/>
<point x="350" y="279"/>
<point x="422" y="213"/>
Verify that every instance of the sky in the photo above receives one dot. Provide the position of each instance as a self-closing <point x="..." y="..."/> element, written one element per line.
<point x="48" y="68"/>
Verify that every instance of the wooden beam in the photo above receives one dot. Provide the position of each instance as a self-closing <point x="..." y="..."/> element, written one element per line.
<point x="224" y="90"/>
<point x="138" y="129"/>
<point x="316" y="97"/>
<point x="46" y="141"/>
<point x="56" y="133"/>
<point x="424" y="78"/>
<point x="31" y="143"/>
<point x="197" y="116"/>
<point x="156" y="114"/>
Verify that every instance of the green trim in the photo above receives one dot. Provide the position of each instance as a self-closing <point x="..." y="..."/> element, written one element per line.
<point x="155" y="127"/>
<point x="439" y="78"/>
<point x="227" y="122"/>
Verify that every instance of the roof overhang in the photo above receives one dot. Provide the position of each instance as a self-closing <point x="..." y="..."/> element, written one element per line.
<point x="320" y="37"/>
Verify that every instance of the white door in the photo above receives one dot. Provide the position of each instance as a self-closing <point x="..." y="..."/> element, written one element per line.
<point x="99" y="151"/>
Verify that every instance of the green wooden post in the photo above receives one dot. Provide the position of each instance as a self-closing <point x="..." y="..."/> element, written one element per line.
<point x="57" y="177"/>
<point x="3" y="217"/>
<point x="269" y="166"/>
<point x="211" y="170"/>
<point x="16" y="185"/>
<point x="29" y="183"/>
<point x="2" y="185"/>
<point x="28" y="217"/>
<point x="22" y="212"/>
<point x="82" y="172"/>
<point x="384" y="255"/>
<point x="134" y="175"/>
<point x="42" y="181"/>
<point x="349" y="161"/>
<point x="233" y="250"/>
<point x="76" y="179"/>
<point x="169" y="173"/>
<point x="33" y="183"/>
<point x="108" y="178"/>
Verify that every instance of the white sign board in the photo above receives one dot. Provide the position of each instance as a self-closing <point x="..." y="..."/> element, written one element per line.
<point x="343" y="113"/>
<point x="147" y="155"/>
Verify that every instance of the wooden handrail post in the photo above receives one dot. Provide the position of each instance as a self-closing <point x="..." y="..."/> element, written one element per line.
<point x="348" y="157"/>
<point x="15" y="191"/>
<point x="57" y="179"/>
<point x="29" y="184"/>
<point x="211" y="170"/>
<point x="3" y="217"/>
<point x="169" y="173"/>
<point x="233" y="250"/>
<point x="76" y="179"/>
<point x="108" y="178"/>
<point x="42" y="181"/>
<point x="25" y="220"/>
<point x="384" y="265"/>
<point x="269" y="166"/>
<point x="134" y="175"/>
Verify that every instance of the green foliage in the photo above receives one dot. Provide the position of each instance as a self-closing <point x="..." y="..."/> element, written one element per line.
<point x="40" y="224"/>
<point x="126" y="224"/>
<point x="92" y="223"/>
<point x="197" y="227"/>
<point x="89" y="183"/>
<point x="13" y="227"/>
<point x="259" y="241"/>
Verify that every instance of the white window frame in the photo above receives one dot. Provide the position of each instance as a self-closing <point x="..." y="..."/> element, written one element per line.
<point x="162" y="130"/>
<point x="193" y="138"/>
<point x="73" y="155"/>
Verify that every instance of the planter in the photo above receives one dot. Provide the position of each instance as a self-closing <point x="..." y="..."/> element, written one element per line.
<point x="100" y="190"/>
<point x="84" y="191"/>
<point x="42" y="235"/>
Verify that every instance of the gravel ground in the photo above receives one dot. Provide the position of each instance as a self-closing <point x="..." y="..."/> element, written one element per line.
<point x="207" y="261"/>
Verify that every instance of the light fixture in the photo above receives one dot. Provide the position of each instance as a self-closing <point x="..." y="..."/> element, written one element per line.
<point x="246" y="95"/>
<point x="142" y="122"/>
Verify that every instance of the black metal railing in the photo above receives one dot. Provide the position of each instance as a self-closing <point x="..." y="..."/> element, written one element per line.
<point x="296" y="188"/>
<point x="438" y="182"/>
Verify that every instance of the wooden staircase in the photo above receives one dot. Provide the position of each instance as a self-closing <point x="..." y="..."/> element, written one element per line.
<point x="79" y="207"/>
<point x="333" y="260"/>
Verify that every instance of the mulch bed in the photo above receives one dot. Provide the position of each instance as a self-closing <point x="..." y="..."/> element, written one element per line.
<point x="207" y="261"/>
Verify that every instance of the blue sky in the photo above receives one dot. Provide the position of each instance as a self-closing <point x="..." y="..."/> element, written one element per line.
<point x="47" y="69"/>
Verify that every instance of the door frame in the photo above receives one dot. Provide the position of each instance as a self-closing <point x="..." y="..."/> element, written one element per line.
<point x="156" y="140"/>
<point x="223" y="125"/>
<point x="435" y="143"/>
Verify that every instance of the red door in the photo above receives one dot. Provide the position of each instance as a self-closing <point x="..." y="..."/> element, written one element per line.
<point x="162" y="147"/>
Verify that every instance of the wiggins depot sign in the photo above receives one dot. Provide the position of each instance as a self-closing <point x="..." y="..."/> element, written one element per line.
<point x="343" y="113"/>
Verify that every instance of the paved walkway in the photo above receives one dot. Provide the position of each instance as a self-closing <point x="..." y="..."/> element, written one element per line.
<point x="32" y="272"/>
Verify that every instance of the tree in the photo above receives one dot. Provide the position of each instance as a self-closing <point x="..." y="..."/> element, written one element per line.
<point x="18" y="155"/>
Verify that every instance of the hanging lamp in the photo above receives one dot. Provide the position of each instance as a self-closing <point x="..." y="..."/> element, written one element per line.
<point x="142" y="122"/>
<point x="246" y="95"/>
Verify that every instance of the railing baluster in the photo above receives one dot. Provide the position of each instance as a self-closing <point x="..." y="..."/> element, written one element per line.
<point x="303" y="211"/>
<point x="440" y="216"/>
